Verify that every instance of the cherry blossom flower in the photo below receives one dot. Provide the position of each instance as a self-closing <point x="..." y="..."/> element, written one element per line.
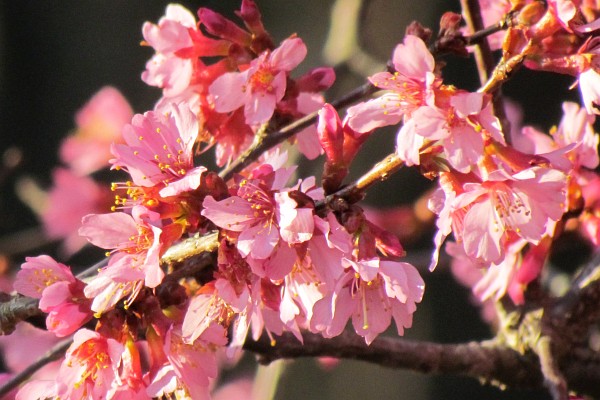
<point x="460" y="127"/>
<point x="165" y="69"/>
<point x="524" y="204"/>
<point x="261" y="86"/>
<point x="91" y="367"/>
<point x="371" y="292"/>
<point x="159" y="150"/>
<point x="60" y="293"/>
<point x="99" y="124"/>
<point x="407" y="89"/>
<point x="187" y="368"/>
<point x="70" y="199"/>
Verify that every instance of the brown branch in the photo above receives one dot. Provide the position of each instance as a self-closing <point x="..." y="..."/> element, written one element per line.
<point x="489" y="361"/>
<point x="17" y="309"/>
<point x="355" y="191"/>
<point x="483" y="53"/>
<point x="484" y="58"/>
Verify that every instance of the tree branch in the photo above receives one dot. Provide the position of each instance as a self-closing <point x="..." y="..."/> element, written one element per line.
<point x="489" y="361"/>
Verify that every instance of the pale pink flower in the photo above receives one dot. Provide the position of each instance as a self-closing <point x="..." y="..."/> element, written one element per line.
<point x="137" y="245"/>
<point x="371" y="292"/>
<point x="261" y="86"/>
<point x="589" y="85"/>
<point x="577" y="126"/>
<point x="407" y="89"/>
<point x="253" y="212"/>
<point x="90" y="368"/>
<point x="70" y="199"/>
<point x="165" y="69"/>
<point x="99" y="124"/>
<point x="60" y="293"/>
<point x="524" y="204"/>
<point x="459" y="127"/>
<point x="159" y="150"/>
<point x="38" y="273"/>
<point x="188" y="368"/>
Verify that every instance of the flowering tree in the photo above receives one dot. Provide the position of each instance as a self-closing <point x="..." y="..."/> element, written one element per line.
<point x="203" y="263"/>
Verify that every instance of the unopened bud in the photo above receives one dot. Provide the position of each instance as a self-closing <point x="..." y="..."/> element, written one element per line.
<point x="531" y="13"/>
<point x="450" y="22"/>
<point x="416" y="29"/>
<point x="221" y="27"/>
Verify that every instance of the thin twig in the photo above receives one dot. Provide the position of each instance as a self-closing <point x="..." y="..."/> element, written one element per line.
<point x="487" y="361"/>
<point x="355" y="191"/>
<point x="273" y="139"/>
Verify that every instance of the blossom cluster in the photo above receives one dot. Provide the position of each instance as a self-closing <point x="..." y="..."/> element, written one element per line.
<point x="288" y="258"/>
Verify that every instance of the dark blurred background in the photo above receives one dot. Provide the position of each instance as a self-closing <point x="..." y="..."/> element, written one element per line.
<point x="55" y="54"/>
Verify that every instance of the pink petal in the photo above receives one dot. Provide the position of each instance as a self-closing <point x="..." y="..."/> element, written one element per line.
<point x="108" y="231"/>
<point x="289" y="54"/>
<point x="228" y="91"/>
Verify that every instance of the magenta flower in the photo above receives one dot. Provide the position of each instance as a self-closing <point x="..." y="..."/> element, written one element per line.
<point x="371" y="292"/>
<point x="159" y="150"/>
<point x="261" y="86"/>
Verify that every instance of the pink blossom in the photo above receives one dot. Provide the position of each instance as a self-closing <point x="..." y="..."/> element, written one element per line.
<point x="371" y="292"/>
<point x="261" y="86"/>
<point x="460" y="127"/>
<point x="99" y="124"/>
<point x="524" y="204"/>
<point x="60" y="293"/>
<point x="188" y="368"/>
<point x="91" y="366"/>
<point x="138" y="242"/>
<point x="159" y="150"/>
<point x="405" y="90"/>
<point x="165" y="69"/>
<point x="255" y="213"/>
<point x="577" y="126"/>
<point x="38" y="273"/>
<point x="70" y="199"/>
<point x="589" y="85"/>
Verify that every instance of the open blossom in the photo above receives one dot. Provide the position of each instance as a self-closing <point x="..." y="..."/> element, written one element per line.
<point x="159" y="150"/>
<point x="60" y="293"/>
<point x="71" y="198"/>
<point x="137" y="243"/>
<point x="459" y="127"/>
<point x="371" y="292"/>
<point x="261" y="86"/>
<point x="91" y="367"/>
<point x="485" y="214"/>
<point x="188" y="368"/>
<point x="99" y="124"/>
<point x="165" y="69"/>
<point x="407" y="89"/>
